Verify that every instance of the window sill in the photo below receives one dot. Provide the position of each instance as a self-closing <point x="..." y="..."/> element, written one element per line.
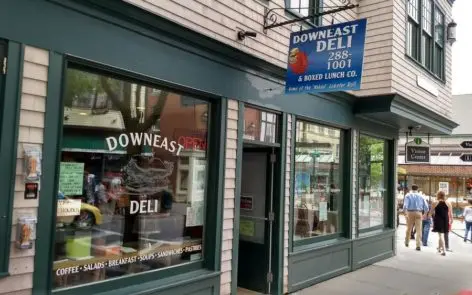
<point x="4" y="275"/>
<point x="374" y="231"/>
<point x="316" y="244"/>
<point x="425" y="69"/>
<point x="154" y="286"/>
<point x="292" y="13"/>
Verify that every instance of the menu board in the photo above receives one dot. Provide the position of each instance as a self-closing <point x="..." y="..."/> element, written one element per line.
<point x="71" y="178"/>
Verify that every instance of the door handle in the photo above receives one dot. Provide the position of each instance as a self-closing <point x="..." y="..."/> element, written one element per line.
<point x="254" y="217"/>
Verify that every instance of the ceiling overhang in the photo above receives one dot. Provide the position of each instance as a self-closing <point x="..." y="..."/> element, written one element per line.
<point x="396" y="111"/>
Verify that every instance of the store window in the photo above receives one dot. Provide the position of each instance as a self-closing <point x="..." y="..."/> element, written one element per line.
<point x="260" y="125"/>
<point x="317" y="188"/>
<point x="371" y="174"/>
<point x="132" y="180"/>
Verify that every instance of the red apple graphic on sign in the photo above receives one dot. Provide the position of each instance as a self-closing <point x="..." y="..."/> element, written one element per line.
<point x="297" y="61"/>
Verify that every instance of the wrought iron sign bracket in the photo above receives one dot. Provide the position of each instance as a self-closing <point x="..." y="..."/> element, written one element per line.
<point x="271" y="17"/>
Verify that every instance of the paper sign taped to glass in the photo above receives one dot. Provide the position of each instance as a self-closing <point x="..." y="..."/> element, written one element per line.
<point x="71" y="178"/>
<point x="323" y="211"/>
<point x="246" y="228"/>
<point x="326" y="59"/>
<point x="68" y="207"/>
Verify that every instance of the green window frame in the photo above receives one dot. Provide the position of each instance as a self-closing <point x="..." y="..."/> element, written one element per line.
<point x="211" y="262"/>
<point x="10" y="85"/>
<point x="345" y="206"/>
<point x="425" y="36"/>
<point x="303" y="8"/>
<point x="388" y="202"/>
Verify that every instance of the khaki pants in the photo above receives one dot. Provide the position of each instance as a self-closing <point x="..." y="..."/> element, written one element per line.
<point x="414" y="218"/>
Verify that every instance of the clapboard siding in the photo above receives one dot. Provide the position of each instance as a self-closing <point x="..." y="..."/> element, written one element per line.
<point x="377" y="74"/>
<point x="405" y="71"/>
<point x="222" y="20"/>
<point x="354" y="220"/>
<point x="33" y="101"/>
<point x="288" y="181"/>
<point x="230" y="181"/>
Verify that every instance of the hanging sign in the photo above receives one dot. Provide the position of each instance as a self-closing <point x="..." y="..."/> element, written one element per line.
<point x="326" y="59"/>
<point x="417" y="152"/>
<point x="466" y="144"/>
<point x="466" y="157"/>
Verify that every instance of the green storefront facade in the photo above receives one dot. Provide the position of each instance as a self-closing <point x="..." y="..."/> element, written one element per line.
<point x="117" y="40"/>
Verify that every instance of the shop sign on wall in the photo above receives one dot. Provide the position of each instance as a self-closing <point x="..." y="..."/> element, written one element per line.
<point x="417" y="151"/>
<point x="326" y="59"/>
<point x="444" y="186"/>
<point x="71" y="179"/>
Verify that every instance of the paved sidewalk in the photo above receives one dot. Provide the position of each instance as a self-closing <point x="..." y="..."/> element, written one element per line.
<point x="409" y="273"/>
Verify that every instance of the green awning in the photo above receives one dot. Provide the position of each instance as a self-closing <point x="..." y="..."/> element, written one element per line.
<point x="91" y="143"/>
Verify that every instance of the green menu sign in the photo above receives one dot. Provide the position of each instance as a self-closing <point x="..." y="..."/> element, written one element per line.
<point x="71" y="178"/>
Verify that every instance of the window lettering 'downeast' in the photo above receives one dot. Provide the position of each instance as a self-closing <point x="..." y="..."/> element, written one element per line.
<point x="132" y="180"/>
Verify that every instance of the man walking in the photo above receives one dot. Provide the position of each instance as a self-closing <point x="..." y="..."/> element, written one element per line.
<point x="414" y="206"/>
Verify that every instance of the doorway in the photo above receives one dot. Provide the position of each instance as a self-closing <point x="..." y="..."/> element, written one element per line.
<point x="256" y="219"/>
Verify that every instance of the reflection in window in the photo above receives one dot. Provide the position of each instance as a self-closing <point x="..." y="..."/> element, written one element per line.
<point x="132" y="180"/>
<point x="317" y="185"/>
<point x="371" y="181"/>
<point x="260" y="125"/>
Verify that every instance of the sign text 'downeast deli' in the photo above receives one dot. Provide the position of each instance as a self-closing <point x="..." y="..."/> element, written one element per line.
<point x="327" y="58"/>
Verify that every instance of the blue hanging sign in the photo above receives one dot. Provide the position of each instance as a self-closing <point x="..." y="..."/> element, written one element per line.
<point x="326" y="59"/>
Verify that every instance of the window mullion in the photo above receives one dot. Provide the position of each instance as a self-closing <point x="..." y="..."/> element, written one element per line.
<point x="420" y="30"/>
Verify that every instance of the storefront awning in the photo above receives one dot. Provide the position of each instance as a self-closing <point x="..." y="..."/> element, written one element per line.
<point x="438" y="170"/>
<point x="401" y="171"/>
<point x="396" y="111"/>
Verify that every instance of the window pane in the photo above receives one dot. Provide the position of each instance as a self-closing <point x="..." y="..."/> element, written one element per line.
<point x="427" y="15"/>
<point x="318" y="193"/>
<point x="412" y="40"/>
<point x="413" y="9"/>
<point x="439" y="27"/>
<point x="427" y="49"/>
<point x="260" y="125"/>
<point x="371" y="181"/>
<point x="132" y="180"/>
<point x="439" y="61"/>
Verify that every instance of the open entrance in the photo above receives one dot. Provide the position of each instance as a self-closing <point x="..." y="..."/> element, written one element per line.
<point x="256" y="220"/>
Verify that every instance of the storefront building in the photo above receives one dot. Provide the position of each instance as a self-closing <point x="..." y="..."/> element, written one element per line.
<point x="142" y="156"/>
<point x="447" y="170"/>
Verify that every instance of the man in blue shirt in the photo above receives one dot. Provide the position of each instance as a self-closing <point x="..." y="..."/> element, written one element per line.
<point x="414" y="206"/>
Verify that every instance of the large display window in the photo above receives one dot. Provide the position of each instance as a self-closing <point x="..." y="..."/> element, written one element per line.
<point x="372" y="181"/>
<point x="132" y="180"/>
<point x="318" y="182"/>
